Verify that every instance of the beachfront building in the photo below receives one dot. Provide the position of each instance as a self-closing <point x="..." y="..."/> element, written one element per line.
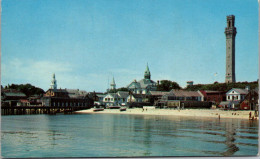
<point x="184" y="99"/>
<point x="251" y="100"/>
<point x="236" y="94"/>
<point x="100" y="99"/>
<point x="115" y="99"/>
<point x="214" y="96"/>
<point x="155" y="96"/>
<point x="234" y="97"/>
<point x="183" y="95"/>
<point x="135" y="98"/>
<point x="143" y="86"/>
<point x="138" y="100"/>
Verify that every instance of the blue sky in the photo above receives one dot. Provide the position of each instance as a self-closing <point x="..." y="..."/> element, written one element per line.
<point x="87" y="42"/>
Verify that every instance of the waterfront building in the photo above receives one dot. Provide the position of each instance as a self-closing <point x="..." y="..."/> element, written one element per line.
<point x="23" y="102"/>
<point x="155" y="96"/>
<point x="182" y="98"/>
<point x="135" y="98"/>
<point x="251" y="100"/>
<point x="143" y="86"/>
<point x="230" y="32"/>
<point x="183" y="95"/>
<point x="66" y="98"/>
<point x="100" y="97"/>
<point x="10" y="97"/>
<point x="115" y="99"/>
<point x="236" y="94"/>
<point x="214" y="96"/>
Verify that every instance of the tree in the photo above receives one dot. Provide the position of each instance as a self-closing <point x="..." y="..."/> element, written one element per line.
<point x="222" y="86"/>
<point x="166" y="85"/>
<point x="119" y="89"/>
<point x="27" y="89"/>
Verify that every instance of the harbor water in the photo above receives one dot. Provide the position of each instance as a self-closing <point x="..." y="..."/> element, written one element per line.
<point x="115" y="135"/>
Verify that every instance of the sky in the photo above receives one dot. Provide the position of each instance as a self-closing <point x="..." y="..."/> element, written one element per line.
<point x="88" y="42"/>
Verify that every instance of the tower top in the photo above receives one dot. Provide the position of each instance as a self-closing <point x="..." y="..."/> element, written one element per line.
<point x="230" y="30"/>
<point x="113" y="81"/>
<point x="147" y="74"/>
<point x="53" y="82"/>
<point x="113" y="84"/>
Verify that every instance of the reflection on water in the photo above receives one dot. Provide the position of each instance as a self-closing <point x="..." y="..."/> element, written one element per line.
<point x="107" y="135"/>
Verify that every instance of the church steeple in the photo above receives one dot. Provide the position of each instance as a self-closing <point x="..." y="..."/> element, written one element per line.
<point x="147" y="74"/>
<point x="53" y="82"/>
<point x="113" y="84"/>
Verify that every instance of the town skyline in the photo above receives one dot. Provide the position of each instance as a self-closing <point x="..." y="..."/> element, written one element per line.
<point x="86" y="50"/>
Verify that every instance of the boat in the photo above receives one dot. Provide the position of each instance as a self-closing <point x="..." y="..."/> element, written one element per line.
<point x="98" y="109"/>
<point x="122" y="109"/>
<point x="114" y="107"/>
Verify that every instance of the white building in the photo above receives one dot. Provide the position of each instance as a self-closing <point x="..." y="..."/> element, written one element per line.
<point x="115" y="99"/>
<point x="143" y="86"/>
<point x="236" y="94"/>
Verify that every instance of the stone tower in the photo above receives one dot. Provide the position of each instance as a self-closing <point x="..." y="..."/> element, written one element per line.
<point x="113" y="85"/>
<point x="147" y="74"/>
<point x="230" y="32"/>
<point x="53" y="82"/>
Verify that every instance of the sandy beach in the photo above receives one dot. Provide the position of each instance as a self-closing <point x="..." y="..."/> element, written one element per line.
<point x="214" y="113"/>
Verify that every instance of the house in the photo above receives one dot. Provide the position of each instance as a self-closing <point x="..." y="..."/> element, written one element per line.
<point x="115" y="99"/>
<point x="236" y="94"/>
<point x="214" y="96"/>
<point x="143" y="86"/>
<point x="10" y="97"/>
<point x="66" y="98"/>
<point x="183" y="95"/>
<point x="155" y="96"/>
<point x="184" y="99"/>
<point x="35" y="100"/>
<point x="122" y="97"/>
<point x="251" y="101"/>
<point x="100" y="97"/>
<point x="229" y="104"/>
<point x="23" y="102"/>
<point x="135" y="98"/>
<point x="138" y="100"/>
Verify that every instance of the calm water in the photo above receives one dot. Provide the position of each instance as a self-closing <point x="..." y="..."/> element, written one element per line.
<point x="108" y="135"/>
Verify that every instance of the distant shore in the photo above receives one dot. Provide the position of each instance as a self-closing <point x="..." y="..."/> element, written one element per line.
<point x="213" y="113"/>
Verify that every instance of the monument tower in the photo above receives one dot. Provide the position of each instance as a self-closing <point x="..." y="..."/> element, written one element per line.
<point x="230" y="32"/>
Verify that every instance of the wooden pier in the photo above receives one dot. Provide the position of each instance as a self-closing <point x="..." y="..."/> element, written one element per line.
<point x="19" y="110"/>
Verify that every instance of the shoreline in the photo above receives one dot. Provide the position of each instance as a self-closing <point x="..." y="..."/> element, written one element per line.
<point x="212" y="113"/>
